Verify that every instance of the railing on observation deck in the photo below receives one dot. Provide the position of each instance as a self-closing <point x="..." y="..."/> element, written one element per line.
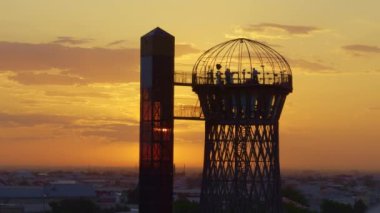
<point x="182" y="78"/>
<point x="264" y="78"/>
<point x="188" y="112"/>
<point x="281" y="79"/>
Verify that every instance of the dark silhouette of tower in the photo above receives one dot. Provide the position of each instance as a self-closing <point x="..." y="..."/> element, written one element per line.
<point x="242" y="85"/>
<point x="156" y="122"/>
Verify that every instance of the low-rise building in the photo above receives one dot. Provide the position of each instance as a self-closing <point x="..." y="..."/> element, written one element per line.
<point x="37" y="198"/>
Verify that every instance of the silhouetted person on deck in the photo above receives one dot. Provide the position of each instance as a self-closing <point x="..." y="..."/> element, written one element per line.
<point x="210" y="76"/>
<point x="218" y="77"/>
<point x="228" y="76"/>
<point x="218" y="74"/>
<point x="255" y="76"/>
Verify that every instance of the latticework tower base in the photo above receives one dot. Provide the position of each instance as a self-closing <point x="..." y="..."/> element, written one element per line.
<point x="241" y="169"/>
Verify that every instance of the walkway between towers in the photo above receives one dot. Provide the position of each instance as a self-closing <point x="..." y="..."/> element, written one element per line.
<point x="186" y="112"/>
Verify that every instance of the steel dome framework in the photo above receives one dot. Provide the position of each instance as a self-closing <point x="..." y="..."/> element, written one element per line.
<point x="242" y="86"/>
<point x="246" y="60"/>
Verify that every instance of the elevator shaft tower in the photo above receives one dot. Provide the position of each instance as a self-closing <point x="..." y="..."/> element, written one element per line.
<point x="241" y="85"/>
<point x="156" y="122"/>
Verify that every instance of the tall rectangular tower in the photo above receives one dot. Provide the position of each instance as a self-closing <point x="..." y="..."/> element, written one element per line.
<point x="156" y="122"/>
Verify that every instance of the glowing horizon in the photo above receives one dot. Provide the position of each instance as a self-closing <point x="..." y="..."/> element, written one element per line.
<point x="69" y="78"/>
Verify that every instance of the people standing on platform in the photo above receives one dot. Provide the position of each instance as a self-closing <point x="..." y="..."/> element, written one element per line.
<point x="218" y="74"/>
<point x="210" y="76"/>
<point x="218" y="77"/>
<point x="255" y="76"/>
<point x="228" y="76"/>
<point x="243" y="73"/>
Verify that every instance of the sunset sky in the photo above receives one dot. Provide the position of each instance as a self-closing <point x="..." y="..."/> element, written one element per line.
<point x="69" y="77"/>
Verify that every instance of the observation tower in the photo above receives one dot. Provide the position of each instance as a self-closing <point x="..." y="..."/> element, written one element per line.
<point x="242" y="85"/>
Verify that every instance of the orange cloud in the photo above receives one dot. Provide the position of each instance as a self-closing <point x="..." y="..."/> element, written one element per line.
<point x="71" y="94"/>
<point x="310" y="65"/>
<point x="70" y="40"/>
<point x="31" y="78"/>
<point x="114" y="132"/>
<point x="291" y="29"/>
<point x="361" y="48"/>
<point x="76" y="64"/>
<point x="374" y="108"/>
<point x="183" y="49"/>
<point x="91" y="64"/>
<point x="111" y="130"/>
<point x="17" y="120"/>
<point x="116" y="43"/>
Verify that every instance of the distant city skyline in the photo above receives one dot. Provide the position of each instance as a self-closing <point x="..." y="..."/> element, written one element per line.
<point x="69" y="78"/>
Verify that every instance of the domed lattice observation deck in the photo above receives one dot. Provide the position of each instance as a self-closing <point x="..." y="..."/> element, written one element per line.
<point x="242" y="62"/>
